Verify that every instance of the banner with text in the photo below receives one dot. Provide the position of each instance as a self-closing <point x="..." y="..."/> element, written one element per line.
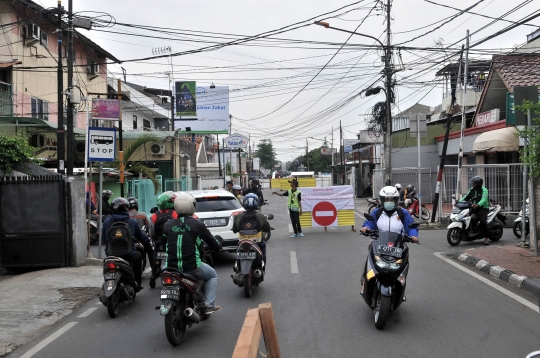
<point x="105" y="109"/>
<point x="185" y="98"/>
<point x="325" y="202"/>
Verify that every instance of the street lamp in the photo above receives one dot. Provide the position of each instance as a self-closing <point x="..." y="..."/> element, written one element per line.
<point x="388" y="92"/>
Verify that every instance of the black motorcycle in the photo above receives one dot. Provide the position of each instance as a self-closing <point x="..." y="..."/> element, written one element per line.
<point x="373" y="203"/>
<point x="119" y="285"/>
<point x="182" y="299"/>
<point x="385" y="274"/>
<point x="267" y="235"/>
<point x="368" y="190"/>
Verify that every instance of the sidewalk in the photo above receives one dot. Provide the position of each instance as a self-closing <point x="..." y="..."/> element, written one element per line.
<point x="509" y="263"/>
<point x="31" y="303"/>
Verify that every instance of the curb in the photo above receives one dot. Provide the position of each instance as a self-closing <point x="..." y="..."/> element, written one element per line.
<point x="91" y="260"/>
<point x="525" y="283"/>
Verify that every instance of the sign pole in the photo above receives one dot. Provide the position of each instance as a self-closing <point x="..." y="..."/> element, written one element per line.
<point x="463" y="97"/>
<point x="100" y="208"/>
<point x="121" y="148"/>
<point x="419" y="168"/>
<point x="532" y="201"/>
<point x="224" y="165"/>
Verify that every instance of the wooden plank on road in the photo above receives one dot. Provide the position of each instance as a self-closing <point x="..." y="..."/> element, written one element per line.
<point x="269" y="330"/>
<point x="247" y="345"/>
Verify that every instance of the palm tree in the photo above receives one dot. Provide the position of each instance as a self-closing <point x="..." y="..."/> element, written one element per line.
<point x="139" y="167"/>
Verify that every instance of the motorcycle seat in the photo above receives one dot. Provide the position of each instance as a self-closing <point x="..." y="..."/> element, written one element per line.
<point x="191" y="277"/>
<point x="186" y="275"/>
<point x="491" y="208"/>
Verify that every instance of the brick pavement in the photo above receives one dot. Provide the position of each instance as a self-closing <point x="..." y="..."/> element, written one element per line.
<point x="513" y="258"/>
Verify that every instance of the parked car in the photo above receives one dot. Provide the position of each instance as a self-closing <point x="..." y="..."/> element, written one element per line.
<point x="217" y="209"/>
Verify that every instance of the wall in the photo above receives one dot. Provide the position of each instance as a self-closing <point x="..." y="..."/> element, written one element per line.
<point x="471" y="99"/>
<point x="79" y="240"/>
<point x="495" y="96"/>
<point x="210" y="183"/>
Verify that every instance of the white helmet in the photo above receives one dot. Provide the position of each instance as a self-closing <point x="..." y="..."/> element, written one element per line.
<point x="389" y="192"/>
<point x="398" y="186"/>
<point x="185" y="204"/>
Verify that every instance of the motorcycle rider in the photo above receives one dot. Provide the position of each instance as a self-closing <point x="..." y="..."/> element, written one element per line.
<point x="407" y="195"/>
<point x="255" y="189"/>
<point x="401" y="192"/>
<point x="390" y="219"/>
<point x="90" y="203"/>
<point x="142" y="220"/>
<point x="237" y="192"/>
<point x="105" y="196"/>
<point x="184" y="236"/>
<point x="479" y="196"/>
<point x="228" y="186"/>
<point x="120" y="209"/>
<point x="251" y="204"/>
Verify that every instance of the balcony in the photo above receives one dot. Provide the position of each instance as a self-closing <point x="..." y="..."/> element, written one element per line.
<point x="6" y="100"/>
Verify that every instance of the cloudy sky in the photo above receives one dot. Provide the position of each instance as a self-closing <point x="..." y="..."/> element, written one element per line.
<point x="301" y="82"/>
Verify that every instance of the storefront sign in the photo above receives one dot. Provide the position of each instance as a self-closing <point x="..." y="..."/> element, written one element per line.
<point x="486" y="118"/>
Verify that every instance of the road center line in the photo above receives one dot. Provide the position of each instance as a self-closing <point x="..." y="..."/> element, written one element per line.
<point x="48" y="340"/>
<point x="294" y="262"/>
<point x="87" y="312"/>
<point x="488" y="282"/>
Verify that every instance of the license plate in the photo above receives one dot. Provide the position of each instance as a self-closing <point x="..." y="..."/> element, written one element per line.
<point x="246" y="255"/>
<point x="111" y="276"/>
<point x="170" y="293"/>
<point x="161" y="255"/>
<point x="215" y="222"/>
<point x="389" y="250"/>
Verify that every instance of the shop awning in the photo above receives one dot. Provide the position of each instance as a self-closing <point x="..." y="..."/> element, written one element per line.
<point x="498" y="140"/>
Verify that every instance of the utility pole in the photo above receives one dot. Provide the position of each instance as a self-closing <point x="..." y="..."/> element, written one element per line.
<point x="70" y="137"/>
<point x="307" y="156"/>
<point x="121" y="147"/>
<point x="387" y="148"/>
<point x="332" y="148"/>
<point x="60" y="133"/>
<point x="450" y="112"/>
<point x="463" y="99"/>
<point x="230" y="124"/>
<point x="218" y="156"/>
<point x="341" y="154"/>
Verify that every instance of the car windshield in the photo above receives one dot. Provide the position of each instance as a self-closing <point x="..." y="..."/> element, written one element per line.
<point x="217" y="203"/>
<point x="389" y="238"/>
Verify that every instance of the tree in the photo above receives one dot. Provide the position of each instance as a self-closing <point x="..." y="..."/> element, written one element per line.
<point x="266" y="153"/>
<point x="317" y="161"/>
<point x="14" y="150"/>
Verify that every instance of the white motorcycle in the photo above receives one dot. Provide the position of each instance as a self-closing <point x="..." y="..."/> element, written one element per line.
<point x="464" y="225"/>
<point x="517" y="222"/>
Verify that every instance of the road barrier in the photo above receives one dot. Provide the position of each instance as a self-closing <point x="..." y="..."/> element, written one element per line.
<point x="259" y="322"/>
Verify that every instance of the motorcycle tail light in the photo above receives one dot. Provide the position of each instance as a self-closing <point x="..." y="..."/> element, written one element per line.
<point x="246" y="248"/>
<point x="168" y="280"/>
<point x="110" y="266"/>
<point x="195" y="217"/>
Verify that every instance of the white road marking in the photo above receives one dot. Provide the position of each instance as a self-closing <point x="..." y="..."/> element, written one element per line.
<point x="48" y="340"/>
<point x="360" y="216"/>
<point x="294" y="262"/>
<point x="324" y="213"/>
<point x="290" y="228"/>
<point x="489" y="283"/>
<point x="87" y="312"/>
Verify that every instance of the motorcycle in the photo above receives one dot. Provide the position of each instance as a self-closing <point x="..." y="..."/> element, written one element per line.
<point x="266" y="235"/>
<point x="368" y="190"/>
<point x="94" y="234"/>
<point x="464" y="225"/>
<point x="412" y="207"/>
<point x="373" y="203"/>
<point x="385" y="274"/>
<point x="119" y="285"/>
<point x="249" y="267"/>
<point x="161" y="259"/>
<point x="182" y="300"/>
<point x="518" y="224"/>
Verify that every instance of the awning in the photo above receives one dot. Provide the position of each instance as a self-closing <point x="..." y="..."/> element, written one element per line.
<point x="35" y="123"/>
<point x="498" y="140"/>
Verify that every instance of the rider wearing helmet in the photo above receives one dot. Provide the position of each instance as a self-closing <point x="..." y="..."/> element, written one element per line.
<point x="142" y="220"/>
<point x="408" y="194"/>
<point x="120" y="208"/>
<point x="390" y="217"/>
<point x="165" y="204"/>
<point x="401" y="192"/>
<point x="251" y="204"/>
<point x="237" y="192"/>
<point x="479" y="196"/>
<point x="255" y="189"/>
<point x="105" y="196"/>
<point x="183" y="236"/>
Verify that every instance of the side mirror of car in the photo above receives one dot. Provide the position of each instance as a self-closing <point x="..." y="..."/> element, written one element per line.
<point x="154" y="210"/>
<point x="369" y="217"/>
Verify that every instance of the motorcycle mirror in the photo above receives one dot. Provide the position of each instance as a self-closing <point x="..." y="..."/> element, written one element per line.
<point x="414" y="225"/>
<point x="219" y="239"/>
<point x="270" y="216"/>
<point x="369" y="217"/>
<point x="154" y="210"/>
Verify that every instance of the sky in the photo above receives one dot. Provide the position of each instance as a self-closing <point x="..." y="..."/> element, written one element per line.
<point x="289" y="91"/>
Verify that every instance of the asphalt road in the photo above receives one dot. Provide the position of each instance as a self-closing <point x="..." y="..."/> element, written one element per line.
<point x="318" y="311"/>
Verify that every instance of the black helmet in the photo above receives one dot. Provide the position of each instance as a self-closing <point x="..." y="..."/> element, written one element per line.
<point x="120" y="205"/>
<point x="410" y="188"/>
<point x="133" y="203"/>
<point x="477" y="180"/>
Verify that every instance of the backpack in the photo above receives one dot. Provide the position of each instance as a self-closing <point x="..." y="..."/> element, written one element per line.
<point x="399" y="213"/>
<point x="162" y="218"/>
<point x="249" y="223"/>
<point x="119" y="239"/>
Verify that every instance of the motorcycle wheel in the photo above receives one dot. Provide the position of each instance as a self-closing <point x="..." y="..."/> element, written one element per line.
<point x="517" y="229"/>
<point x="113" y="304"/>
<point x="175" y="324"/>
<point x="498" y="234"/>
<point x="454" y="236"/>
<point x="247" y="285"/>
<point x="426" y="215"/>
<point x="370" y="209"/>
<point x="381" y="311"/>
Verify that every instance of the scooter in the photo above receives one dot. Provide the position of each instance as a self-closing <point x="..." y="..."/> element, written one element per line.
<point x="373" y="203"/>
<point x="385" y="274"/>
<point x="119" y="286"/>
<point x="94" y="235"/>
<point x="517" y="222"/>
<point x="464" y="225"/>
<point x="413" y="206"/>
<point x="266" y="235"/>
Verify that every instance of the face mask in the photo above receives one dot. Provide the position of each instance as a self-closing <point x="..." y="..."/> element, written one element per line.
<point x="389" y="206"/>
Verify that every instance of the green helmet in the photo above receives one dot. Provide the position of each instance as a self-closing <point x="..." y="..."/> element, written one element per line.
<point x="166" y="200"/>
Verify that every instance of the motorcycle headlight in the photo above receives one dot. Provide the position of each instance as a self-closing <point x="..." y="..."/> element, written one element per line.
<point x="396" y="265"/>
<point x="454" y="218"/>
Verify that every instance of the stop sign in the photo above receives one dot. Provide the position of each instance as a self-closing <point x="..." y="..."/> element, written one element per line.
<point x="324" y="213"/>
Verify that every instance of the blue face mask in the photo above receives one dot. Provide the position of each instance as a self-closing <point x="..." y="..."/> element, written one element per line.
<point x="389" y="206"/>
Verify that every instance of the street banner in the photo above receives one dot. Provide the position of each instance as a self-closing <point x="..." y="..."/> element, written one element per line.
<point x="212" y="112"/>
<point x="348" y="143"/>
<point x="105" y="109"/>
<point x="326" y="203"/>
<point x="186" y="98"/>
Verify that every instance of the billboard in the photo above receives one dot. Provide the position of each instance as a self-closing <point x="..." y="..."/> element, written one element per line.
<point x="185" y="98"/>
<point x="105" y="109"/>
<point x="328" y="151"/>
<point x="212" y="112"/>
<point x="348" y="143"/>
<point x="236" y="141"/>
<point x="256" y="163"/>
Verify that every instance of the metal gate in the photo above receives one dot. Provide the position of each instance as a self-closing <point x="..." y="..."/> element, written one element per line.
<point x="33" y="229"/>
<point x="406" y="176"/>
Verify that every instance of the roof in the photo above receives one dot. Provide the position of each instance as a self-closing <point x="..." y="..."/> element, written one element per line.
<point x="472" y="66"/>
<point x="518" y="70"/>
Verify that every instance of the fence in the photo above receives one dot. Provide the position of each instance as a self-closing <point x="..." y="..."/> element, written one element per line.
<point x="504" y="182"/>
<point x="406" y="176"/>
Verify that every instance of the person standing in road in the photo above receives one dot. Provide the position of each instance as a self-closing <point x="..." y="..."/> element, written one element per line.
<point x="229" y="186"/>
<point x="295" y="206"/>
<point x="254" y="189"/>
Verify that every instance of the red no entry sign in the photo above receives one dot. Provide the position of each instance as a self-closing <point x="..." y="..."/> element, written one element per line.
<point x="324" y="213"/>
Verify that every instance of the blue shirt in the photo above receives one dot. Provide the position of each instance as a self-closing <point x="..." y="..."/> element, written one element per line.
<point x="407" y="220"/>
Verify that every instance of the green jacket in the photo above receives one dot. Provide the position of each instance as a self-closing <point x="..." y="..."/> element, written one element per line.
<point x="478" y="196"/>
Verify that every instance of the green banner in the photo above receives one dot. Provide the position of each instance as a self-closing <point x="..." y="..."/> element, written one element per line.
<point x="186" y="98"/>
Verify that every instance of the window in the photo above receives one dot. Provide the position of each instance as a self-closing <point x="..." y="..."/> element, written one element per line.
<point x="146" y="124"/>
<point x="40" y="108"/>
<point x="134" y="122"/>
<point x="44" y="39"/>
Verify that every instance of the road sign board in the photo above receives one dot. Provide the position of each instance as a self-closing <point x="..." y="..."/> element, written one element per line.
<point x="101" y="144"/>
<point x="324" y="213"/>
